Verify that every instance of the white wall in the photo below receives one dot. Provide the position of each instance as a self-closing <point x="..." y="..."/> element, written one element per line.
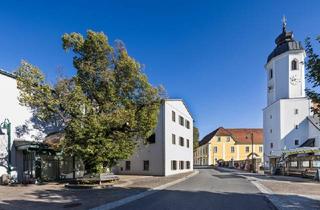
<point x="289" y="119"/>
<point x="163" y="151"/>
<point x="12" y="110"/>
<point x="271" y="120"/>
<point x="177" y="152"/>
<point x="152" y="152"/>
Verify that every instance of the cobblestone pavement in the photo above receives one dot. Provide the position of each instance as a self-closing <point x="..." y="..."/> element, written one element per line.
<point x="55" y="196"/>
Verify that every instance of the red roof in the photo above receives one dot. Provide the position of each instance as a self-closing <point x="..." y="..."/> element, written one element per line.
<point x="240" y="135"/>
<point x="243" y="135"/>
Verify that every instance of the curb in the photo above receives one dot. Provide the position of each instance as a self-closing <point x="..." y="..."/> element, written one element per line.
<point x="129" y="199"/>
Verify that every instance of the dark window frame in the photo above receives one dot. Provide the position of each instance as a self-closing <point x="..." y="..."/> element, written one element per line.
<point x="173" y="116"/>
<point x="232" y="150"/>
<point x="247" y="149"/>
<point x="181" y="141"/>
<point x="128" y="165"/>
<point x="187" y="124"/>
<point x="181" y="120"/>
<point x="173" y="138"/>
<point x="294" y="64"/>
<point x="146" y="165"/>
<point x="187" y="164"/>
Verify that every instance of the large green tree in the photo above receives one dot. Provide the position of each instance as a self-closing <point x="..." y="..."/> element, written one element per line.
<point x="313" y="74"/>
<point x="103" y="110"/>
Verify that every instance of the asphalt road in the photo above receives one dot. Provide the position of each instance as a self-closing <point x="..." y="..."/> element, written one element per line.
<point x="209" y="190"/>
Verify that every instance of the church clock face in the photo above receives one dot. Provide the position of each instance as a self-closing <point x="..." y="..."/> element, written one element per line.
<point x="294" y="80"/>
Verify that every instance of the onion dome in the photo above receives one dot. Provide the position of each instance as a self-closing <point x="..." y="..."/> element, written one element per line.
<point x="285" y="42"/>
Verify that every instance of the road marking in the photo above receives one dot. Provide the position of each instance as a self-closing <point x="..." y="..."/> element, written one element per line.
<point x="129" y="199"/>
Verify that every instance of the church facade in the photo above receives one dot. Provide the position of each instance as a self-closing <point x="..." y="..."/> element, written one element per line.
<point x="288" y="121"/>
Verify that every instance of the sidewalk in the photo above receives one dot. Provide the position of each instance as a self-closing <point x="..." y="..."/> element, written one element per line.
<point x="285" y="192"/>
<point x="56" y="196"/>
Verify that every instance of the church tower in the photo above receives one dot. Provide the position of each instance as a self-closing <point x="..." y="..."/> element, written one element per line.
<point x="285" y="68"/>
<point x="287" y="106"/>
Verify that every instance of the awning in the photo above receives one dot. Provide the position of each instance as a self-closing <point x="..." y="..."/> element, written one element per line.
<point x="302" y="150"/>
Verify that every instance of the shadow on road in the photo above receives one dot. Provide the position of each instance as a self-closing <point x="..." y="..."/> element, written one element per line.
<point x="165" y="199"/>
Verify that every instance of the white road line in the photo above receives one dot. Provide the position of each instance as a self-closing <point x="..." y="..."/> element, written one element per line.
<point x="129" y="199"/>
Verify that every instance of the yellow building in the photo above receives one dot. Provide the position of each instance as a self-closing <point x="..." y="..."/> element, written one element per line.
<point x="223" y="145"/>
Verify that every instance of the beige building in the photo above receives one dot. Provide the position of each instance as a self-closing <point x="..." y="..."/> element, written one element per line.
<point x="223" y="145"/>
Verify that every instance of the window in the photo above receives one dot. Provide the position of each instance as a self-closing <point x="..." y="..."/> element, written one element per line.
<point x="232" y="149"/>
<point x="173" y="116"/>
<point x="296" y="142"/>
<point x="187" y="124"/>
<point x="270" y="130"/>
<point x="146" y="165"/>
<point x="247" y="149"/>
<point x="173" y="139"/>
<point x="181" y="120"/>
<point x="270" y="88"/>
<point x="151" y="139"/>
<point x="173" y="165"/>
<point x="271" y="145"/>
<point x="215" y="149"/>
<point x="219" y="139"/>
<point x="181" y="141"/>
<point x="128" y="165"/>
<point x="270" y="116"/>
<point x="305" y="164"/>
<point x="296" y="111"/>
<point x="181" y="165"/>
<point x="188" y="143"/>
<point x="228" y="138"/>
<point x="296" y="126"/>
<point x="294" y="164"/>
<point x="316" y="163"/>
<point x="188" y="164"/>
<point x="294" y="65"/>
<point x="260" y="149"/>
<point x="270" y="74"/>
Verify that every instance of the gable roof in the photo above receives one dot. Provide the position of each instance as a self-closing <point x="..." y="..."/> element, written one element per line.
<point x="240" y="135"/>
<point x="8" y="74"/>
<point x="218" y="132"/>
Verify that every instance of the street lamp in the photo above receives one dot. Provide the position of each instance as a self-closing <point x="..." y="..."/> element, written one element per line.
<point x="252" y="153"/>
<point x="7" y="125"/>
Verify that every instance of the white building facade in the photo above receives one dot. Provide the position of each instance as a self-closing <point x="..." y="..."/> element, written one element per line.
<point x="17" y="115"/>
<point x="170" y="151"/>
<point x="287" y="119"/>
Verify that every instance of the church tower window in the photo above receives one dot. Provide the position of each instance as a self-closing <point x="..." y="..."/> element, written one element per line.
<point x="294" y="64"/>
<point x="270" y="74"/>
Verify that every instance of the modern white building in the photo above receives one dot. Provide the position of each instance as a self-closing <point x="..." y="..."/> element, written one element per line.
<point x="170" y="150"/>
<point x="287" y="119"/>
<point x="17" y="115"/>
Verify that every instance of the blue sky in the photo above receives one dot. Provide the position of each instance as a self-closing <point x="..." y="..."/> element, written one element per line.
<point x="209" y="53"/>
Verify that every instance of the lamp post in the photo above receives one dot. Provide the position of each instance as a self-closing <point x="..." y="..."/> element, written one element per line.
<point x="7" y="125"/>
<point x="252" y="153"/>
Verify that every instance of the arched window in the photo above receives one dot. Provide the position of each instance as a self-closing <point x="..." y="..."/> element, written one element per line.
<point x="294" y="65"/>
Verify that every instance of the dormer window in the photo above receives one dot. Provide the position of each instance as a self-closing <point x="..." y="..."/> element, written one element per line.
<point x="294" y="64"/>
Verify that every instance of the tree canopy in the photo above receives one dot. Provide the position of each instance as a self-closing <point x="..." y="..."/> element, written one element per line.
<point x="195" y="137"/>
<point x="103" y="110"/>
<point x="313" y="75"/>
